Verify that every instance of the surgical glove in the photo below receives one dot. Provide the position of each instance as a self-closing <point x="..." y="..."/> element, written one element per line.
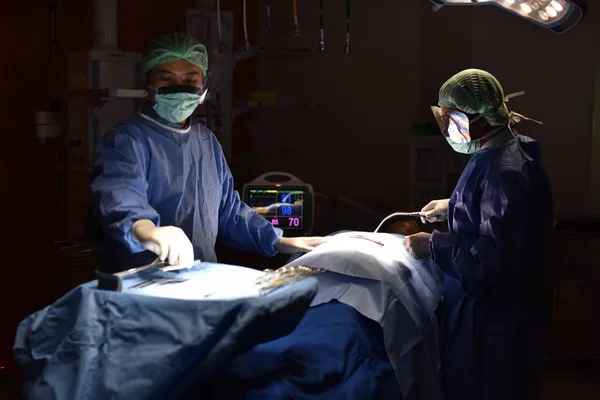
<point x="299" y="244"/>
<point x="435" y="211"/>
<point x="168" y="242"/>
<point x="418" y="245"/>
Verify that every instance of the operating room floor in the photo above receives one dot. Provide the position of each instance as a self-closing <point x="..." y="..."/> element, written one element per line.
<point x="567" y="381"/>
<point x="560" y="382"/>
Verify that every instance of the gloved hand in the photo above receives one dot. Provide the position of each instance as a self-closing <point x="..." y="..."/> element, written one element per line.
<point x="435" y="211"/>
<point x="168" y="242"/>
<point x="299" y="244"/>
<point x="418" y="245"/>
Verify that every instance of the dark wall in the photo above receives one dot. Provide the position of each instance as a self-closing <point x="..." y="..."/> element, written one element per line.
<point x="558" y="73"/>
<point x="356" y="142"/>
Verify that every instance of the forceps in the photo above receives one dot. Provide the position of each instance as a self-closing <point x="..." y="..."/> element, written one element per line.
<point x="114" y="282"/>
<point x="162" y="281"/>
<point x="158" y="264"/>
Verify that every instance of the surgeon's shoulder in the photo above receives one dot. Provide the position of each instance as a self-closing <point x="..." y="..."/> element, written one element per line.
<point x="508" y="171"/>
<point x="127" y="132"/>
<point x="486" y="168"/>
<point x="532" y="147"/>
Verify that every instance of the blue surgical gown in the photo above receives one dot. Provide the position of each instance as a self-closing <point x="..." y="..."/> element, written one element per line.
<point x="152" y="169"/>
<point x="500" y="218"/>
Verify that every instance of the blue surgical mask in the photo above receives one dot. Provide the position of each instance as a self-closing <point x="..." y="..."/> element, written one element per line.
<point x="177" y="103"/>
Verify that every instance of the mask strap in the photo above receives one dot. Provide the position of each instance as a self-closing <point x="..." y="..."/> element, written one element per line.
<point x="492" y="133"/>
<point x="515" y="118"/>
<point x="151" y="89"/>
<point x="514" y="134"/>
<point x="489" y="134"/>
<point x="477" y="118"/>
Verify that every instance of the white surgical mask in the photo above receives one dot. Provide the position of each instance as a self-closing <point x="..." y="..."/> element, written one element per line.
<point x="176" y="103"/>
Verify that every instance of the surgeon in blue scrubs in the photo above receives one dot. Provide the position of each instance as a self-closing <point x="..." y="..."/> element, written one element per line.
<point x="163" y="187"/>
<point x="500" y="216"/>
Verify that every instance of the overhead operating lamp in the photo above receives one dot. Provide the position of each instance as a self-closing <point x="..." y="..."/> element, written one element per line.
<point x="559" y="16"/>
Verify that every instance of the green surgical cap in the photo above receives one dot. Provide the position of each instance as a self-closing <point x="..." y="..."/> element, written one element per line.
<point x="173" y="47"/>
<point x="474" y="91"/>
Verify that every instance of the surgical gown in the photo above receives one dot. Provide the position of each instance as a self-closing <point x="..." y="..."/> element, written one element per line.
<point x="149" y="168"/>
<point x="494" y="323"/>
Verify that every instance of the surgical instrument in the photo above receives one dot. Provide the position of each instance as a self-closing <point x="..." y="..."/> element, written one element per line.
<point x="219" y="30"/>
<point x="245" y="18"/>
<point x="367" y="238"/>
<point x="276" y="278"/>
<point x="296" y="26"/>
<point x="348" y="16"/>
<point x="114" y="282"/>
<point x="161" y="281"/>
<point x="268" y="12"/>
<point x="400" y="214"/>
<point x="322" y="23"/>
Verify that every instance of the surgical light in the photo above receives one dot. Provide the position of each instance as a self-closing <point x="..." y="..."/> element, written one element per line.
<point x="556" y="5"/>
<point x="559" y="16"/>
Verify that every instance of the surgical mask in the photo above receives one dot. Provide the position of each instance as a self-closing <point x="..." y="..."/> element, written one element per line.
<point x="455" y="128"/>
<point x="177" y="103"/>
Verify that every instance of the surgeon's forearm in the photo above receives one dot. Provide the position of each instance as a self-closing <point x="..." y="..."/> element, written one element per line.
<point x="282" y="244"/>
<point x="244" y="229"/>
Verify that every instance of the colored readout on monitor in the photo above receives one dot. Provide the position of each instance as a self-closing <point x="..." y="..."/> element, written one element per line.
<point x="283" y="208"/>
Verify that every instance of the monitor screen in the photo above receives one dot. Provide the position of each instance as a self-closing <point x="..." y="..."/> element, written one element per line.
<point x="284" y="208"/>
